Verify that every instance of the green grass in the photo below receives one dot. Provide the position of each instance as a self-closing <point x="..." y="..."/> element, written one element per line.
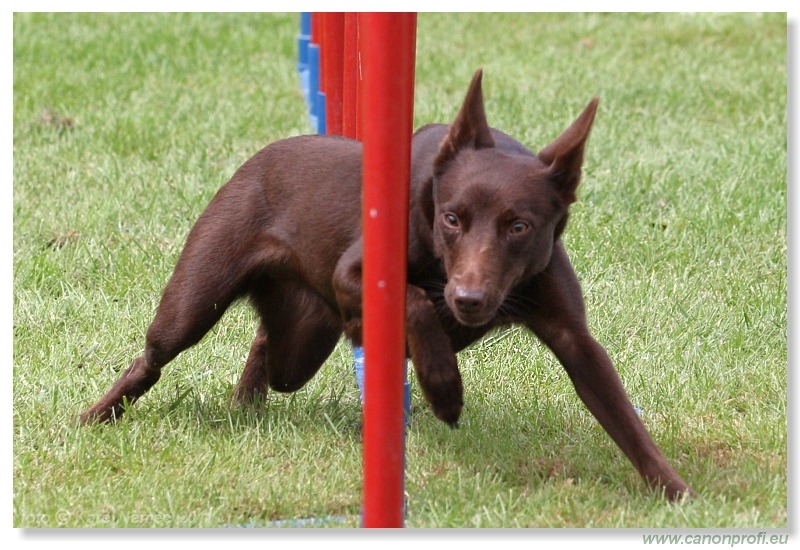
<point x="126" y="125"/>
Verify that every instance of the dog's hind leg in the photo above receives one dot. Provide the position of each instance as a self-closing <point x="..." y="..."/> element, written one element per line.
<point x="298" y="332"/>
<point x="253" y="383"/>
<point x="222" y="256"/>
<point x="193" y="301"/>
<point x="198" y="293"/>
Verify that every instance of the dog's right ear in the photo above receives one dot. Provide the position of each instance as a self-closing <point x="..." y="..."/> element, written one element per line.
<point x="469" y="129"/>
<point x="564" y="157"/>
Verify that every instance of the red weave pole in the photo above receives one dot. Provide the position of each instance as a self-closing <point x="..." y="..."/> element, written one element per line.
<point x="360" y="80"/>
<point x="388" y="50"/>
<point x="316" y="29"/>
<point x="351" y="77"/>
<point x="333" y="60"/>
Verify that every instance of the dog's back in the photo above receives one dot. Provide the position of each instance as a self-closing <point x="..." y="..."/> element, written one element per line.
<point x="303" y="193"/>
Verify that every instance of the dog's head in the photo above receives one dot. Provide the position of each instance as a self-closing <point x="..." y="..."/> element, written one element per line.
<point x="498" y="210"/>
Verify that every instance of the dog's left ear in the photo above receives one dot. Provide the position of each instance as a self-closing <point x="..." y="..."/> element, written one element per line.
<point x="564" y="157"/>
<point x="469" y="129"/>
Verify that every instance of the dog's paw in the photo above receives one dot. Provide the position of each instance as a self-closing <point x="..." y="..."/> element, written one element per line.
<point x="92" y="416"/>
<point x="445" y="394"/>
<point x="449" y="413"/>
<point x="436" y="365"/>
<point x="677" y="492"/>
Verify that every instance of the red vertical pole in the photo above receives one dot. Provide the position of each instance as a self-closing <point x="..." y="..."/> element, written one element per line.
<point x="388" y="49"/>
<point x="351" y="76"/>
<point x="333" y="58"/>
<point x="360" y="80"/>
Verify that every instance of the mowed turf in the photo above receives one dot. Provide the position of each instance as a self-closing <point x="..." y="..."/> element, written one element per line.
<point x="125" y="125"/>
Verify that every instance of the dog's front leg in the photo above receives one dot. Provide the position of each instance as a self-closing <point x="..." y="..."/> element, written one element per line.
<point x="559" y="321"/>
<point x="428" y="344"/>
<point x="433" y="358"/>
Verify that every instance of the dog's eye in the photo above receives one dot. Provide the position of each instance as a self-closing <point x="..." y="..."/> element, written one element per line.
<point x="451" y="220"/>
<point x="519" y="227"/>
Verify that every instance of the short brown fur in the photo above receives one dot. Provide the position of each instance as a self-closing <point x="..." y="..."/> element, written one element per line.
<point x="486" y="216"/>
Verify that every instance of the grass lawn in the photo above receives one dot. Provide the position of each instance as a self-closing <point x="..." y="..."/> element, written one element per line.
<point x="126" y="125"/>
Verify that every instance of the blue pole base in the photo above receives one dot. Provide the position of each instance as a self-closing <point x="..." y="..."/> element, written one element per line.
<point x="358" y="365"/>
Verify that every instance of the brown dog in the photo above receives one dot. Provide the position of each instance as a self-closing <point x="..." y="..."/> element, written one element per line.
<point x="486" y="215"/>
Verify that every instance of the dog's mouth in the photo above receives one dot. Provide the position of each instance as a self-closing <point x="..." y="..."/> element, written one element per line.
<point x="471" y="320"/>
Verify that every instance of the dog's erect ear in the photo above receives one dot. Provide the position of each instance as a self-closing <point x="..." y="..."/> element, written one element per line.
<point x="469" y="129"/>
<point x="564" y="156"/>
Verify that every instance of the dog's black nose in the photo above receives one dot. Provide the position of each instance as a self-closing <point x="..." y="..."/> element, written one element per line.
<point x="469" y="300"/>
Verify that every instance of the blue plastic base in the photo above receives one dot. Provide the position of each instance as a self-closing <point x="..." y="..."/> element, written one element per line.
<point x="358" y="364"/>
